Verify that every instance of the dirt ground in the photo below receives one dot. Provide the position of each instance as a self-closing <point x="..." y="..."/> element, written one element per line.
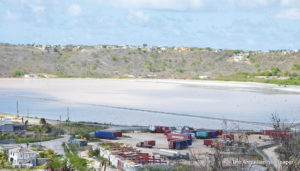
<point x="197" y="146"/>
<point x="161" y="143"/>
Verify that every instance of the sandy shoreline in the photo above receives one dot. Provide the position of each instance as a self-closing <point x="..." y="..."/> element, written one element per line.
<point x="216" y="83"/>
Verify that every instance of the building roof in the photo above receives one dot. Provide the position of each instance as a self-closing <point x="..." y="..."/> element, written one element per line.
<point x="9" y="122"/>
<point x="21" y="149"/>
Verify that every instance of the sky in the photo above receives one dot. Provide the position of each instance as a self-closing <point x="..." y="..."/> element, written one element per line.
<point x="219" y="24"/>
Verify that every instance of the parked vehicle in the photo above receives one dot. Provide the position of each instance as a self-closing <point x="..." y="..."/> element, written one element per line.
<point x="150" y="142"/>
<point x="144" y="145"/>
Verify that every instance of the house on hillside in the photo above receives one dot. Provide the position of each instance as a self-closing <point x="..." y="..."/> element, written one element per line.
<point x="21" y="157"/>
<point x="238" y="58"/>
<point x="11" y="127"/>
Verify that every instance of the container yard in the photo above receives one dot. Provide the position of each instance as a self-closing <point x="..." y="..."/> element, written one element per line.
<point x="161" y="146"/>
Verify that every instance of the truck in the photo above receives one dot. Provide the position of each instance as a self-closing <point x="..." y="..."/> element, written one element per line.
<point x="146" y="144"/>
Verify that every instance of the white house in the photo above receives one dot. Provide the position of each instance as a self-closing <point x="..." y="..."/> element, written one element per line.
<point x="204" y="77"/>
<point x="22" y="157"/>
<point x="238" y="58"/>
<point x="31" y="76"/>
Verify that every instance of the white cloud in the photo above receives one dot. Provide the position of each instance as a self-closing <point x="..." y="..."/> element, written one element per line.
<point x="11" y="16"/>
<point x="287" y="3"/>
<point x="292" y="14"/>
<point x="74" y="10"/>
<point x="183" y="5"/>
<point x="38" y="9"/>
<point x="138" y="16"/>
<point x="155" y="4"/>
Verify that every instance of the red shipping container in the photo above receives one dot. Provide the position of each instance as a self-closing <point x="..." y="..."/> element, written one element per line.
<point x="269" y="132"/>
<point x="158" y="129"/>
<point x="161" y="129"/>
<point x="118" y="133"/>
<point x="150" y="142"/>
<point x="167" y="132"/>
<point x="228" y="136"/>
<point x="208" y="142"/>
<point x="178" y="136"/>
<point x="165" y="128"/>
<point x="281" y="135"/>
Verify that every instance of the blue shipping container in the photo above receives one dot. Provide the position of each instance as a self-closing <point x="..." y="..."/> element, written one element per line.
<point x="211" y="133"/>
<point x="79" y="142"/>
<point x="105" y="134"/>
<point x="181" y="144"/>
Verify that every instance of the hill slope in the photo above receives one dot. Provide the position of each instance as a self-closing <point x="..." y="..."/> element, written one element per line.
<point x="127" y="61"/>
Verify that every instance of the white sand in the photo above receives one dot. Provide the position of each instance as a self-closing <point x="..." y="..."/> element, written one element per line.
<point x="117" y="91"/>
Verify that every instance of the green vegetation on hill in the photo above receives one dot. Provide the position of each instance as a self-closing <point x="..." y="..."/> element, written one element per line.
<point x="108" y="61"/>
<point x="273" y="76"/>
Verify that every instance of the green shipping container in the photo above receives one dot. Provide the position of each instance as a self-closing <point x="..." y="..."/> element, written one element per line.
<point x="202" y="134"/>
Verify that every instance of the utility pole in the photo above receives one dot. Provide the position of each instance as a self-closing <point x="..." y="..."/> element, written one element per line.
<point x="27" y="113"/>
<point x="17" y="109"/>
<point x="68" y="117"/>
<point x="68" y="120"/>
<point x="59" y="125"/>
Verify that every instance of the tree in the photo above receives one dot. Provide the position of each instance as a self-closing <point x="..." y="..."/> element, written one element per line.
<point x="289" y="149"/>
<point x="17" y="74"/>
<point x="43" y="122"/>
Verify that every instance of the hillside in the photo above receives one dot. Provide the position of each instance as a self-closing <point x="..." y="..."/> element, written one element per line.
<point x="145" y="62"/>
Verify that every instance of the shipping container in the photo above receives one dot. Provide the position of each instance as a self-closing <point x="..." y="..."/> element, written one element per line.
<point x="165" y="128"/>
<point x="192" y="134"/>
<point x="161" y="129"/>
<point x="220" y="143"/>
<point x="178" y="144"/>
<point x="228" y="143"/>
<point x="281" y="135"/>
<point x="79" y="142"/>
<point x="167" y="132"/>
<point x="202" y="134"/>
<point x="150" y="142"/>
<point x="218" y="131"/>
<point x="118" y="133"/>
<point x="106" y="134"/>
<point x="178" y="136"/>
<point x="212" y="133"/>
<point x="228" y="136"/>
<point x="208" y="142"/>
<point x="269" y="132"/>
